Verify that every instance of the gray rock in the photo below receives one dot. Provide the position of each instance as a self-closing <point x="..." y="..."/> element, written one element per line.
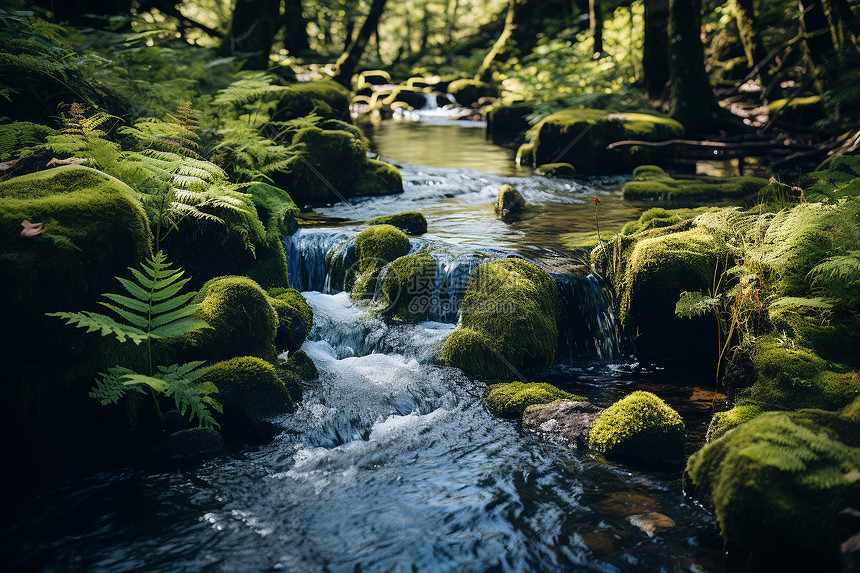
<point x="568" y="420"/>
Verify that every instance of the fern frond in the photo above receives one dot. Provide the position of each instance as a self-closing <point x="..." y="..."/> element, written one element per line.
<point x="692" y="304"/>
<point x="808" y="302"/>
<point x="179" y="381"/>
<point x="109" y="387"/>
<point x="94" y="321"/>
<point x="250" y="87"/>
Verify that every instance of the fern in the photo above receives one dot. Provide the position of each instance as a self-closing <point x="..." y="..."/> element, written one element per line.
<point x="151" y="308"/>
<point x="155" y="308"/>
<point x="840" y="179"/>
<point x="692" y="304"/>
<point x="18" y="139"/>
<point x="249" y="88"/>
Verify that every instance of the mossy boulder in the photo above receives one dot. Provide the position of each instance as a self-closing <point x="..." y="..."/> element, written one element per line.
<point x="658" y="217"/>
<point x="508" y="121"/>
<point x="560" y="170"/>
<point x="722" y="422"/>
<point x="509" y="205"/>
<point x="511" y="399"/>
<point x="295" y="318"/>
<point x="639" y="427"/>
<point x="250" y="392"/>
<point x="335" y="167"/>
<point x="651" y="183"/>
<point x="507" y="321"/>
<point x="326" y="98"/>
<point x="407" y="287"/>
<point x="374" y="248"/>
<point x="790" y="376"/>
<point x="412" y="98"/>
<point x="659" y="269"/>
<point x="242" y="319"/>
<point x="468" y="92"/>
<point x="275" y="209"/>
<point x="410" y="222"/>
<point x="580" y="137"/>
<point x="780" y="481"/>
<point x="300" y="363"/>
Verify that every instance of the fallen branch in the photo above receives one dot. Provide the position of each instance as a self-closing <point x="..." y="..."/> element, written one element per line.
<point x="716" y="145"/>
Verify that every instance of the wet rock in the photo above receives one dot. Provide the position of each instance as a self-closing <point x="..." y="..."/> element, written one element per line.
<point x="193" y="443"/>
<point x="598" y="542"/>
<point x="512" y="398"/>
<point x="567" y="419"/>
<point x="510" y="205"/>
<point x="651" y="522"/>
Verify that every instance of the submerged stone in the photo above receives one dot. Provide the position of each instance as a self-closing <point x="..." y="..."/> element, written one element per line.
<point x="561" y="170"/>
<point x="509" y="205"/>
<point x="568" y="419"/>
<point x="410" y="222"/>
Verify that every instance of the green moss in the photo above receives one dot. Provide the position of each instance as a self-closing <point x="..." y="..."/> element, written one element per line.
<point x="525" y="154"/>
<point x="468" y="92"/>
<point x="295" y="319"/>
<point x="780" y="481"/>
<point x="413" y="98"/>
<point x="641" y="427"/>
<point x="249" y="391"/>
<point x="275" y="209"/>
<point x="242" y="319"/>
<point x="300" y="363"/>
<point x="645" y="172"/>
<point x="790" y="376"/>
<point x="512" y="398"/>
<point x="325" y="98"/>
<point x="652" y="183"/>
<point x="593" y="130"/>
<point x="410" y="222"/>
<point x="658" y="270"/>
<point x="336" y="124"/>
<point x="376" y="247"/>
<point x="807" y="109"/>
<point x="658" y="217"/>
<point x="378" y="178"/>
<point x="563" y="170"/>
<point x="333" y="159"/>
<point x="722" y="422"/>
<point x="852" y="410"/>
<point x="407" y="286"/>
<point x="509" y="205"/>
<point x="509" y="309"/>
<point x="833" y="336"/>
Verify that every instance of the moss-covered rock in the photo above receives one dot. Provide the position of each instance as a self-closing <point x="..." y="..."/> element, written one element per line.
<point x="780" y="481"/>
<point x="300" y="363"/>
<point x="639" y="427"/>
<point x="242" y="319"/>
<point x="374" y="248"/>
<point x="468" y="92"/>
<point x="509" y="205"/>
<point x="413" y="98"/>
<point x="250" y="392"/>
<point x="790" y="376"/>
<point x="659" y="217"/>
<point x="507" y="321"/>
<point x="335" y="166"/>
<point x="326" y="98"/>
<point x="407" y="287"/>
<point x="295" y="318"/>
<point x="552" y="139"/>
<point x="561" y="170"/>
<point x="275" y="209"/>
<point x="512" y="398"/>
<point x="651" y="183"/>
<point x="722" y="422"/>
<point x="507" y="121"/>
<point x="659" y="269"/>
<point x="410" y="222"/>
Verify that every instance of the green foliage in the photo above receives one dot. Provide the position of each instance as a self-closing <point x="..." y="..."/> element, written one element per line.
<point x="840" y="179"/>
<point x="512" y="398"/>
<point x="654" y="184"/>
<point x="640" y="426"/>
<point x="17" y="139"/>
<point x="722" y="422"/>
<point x="155" y="310"/>
<point x="780" y="480"/>
<point x="838" y="279"/>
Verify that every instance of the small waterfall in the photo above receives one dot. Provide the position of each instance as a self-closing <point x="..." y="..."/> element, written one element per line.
<point x="431" y="103"/>
<point x="308" y="254"/>
<point x="449" y="285"/>
<point x="586" y="323"/>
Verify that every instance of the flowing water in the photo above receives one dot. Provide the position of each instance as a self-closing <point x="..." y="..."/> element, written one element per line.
<point x="391" y="462"/>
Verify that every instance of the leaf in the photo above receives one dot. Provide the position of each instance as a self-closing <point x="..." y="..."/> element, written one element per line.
<point x="93" y="322"/>
<point x="692" y="304"/>
<point x="801" y="301"/>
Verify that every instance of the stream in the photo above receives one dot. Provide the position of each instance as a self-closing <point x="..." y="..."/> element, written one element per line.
<point x="391" y="462"/>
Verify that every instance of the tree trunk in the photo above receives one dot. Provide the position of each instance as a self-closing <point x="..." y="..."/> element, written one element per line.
<point x="748" y="29"/>
<point x="295" y="28"/>
<point x="595" y="23"/>
<point x="693" y="100"/>
<point x="451" y="25"/>
<point x="655" y="49"/>
<point x="252" y="31"/>
<point x="485" y="70"/>
<point x="817" y="40"/>
<point x="346" y="64"/>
